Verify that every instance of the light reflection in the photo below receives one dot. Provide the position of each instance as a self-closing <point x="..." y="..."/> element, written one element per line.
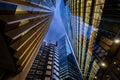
<point x="117" y="40"/>
<point x="95" y="77"/>
<point x="114" y="63"/>
<point x="103" y="64"/>
<point x="118" y="69"/>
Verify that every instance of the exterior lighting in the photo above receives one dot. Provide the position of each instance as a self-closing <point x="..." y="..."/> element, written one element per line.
<point x="117" y="38"/>
<point x="117" y="41"/>
<point x="118" y="69"/>
<point x="103" y="64"/>
<point x="114" y="63"/>
<point x="95" y="77"/>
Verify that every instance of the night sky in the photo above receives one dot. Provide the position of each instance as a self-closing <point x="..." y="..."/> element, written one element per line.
<point x="56" y="29"/>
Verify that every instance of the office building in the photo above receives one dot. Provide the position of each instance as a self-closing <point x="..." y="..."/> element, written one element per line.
<point x="93" y="30"/>
<point x="92" y="26"/>
<point x="68" y="67"/>
<point x="24" y="24"/>
<point x="45" y="65"/>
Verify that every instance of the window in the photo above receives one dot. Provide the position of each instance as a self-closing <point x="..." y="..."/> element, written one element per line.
<point x="34" y="66"/>
<point x="47" y="78"/>
<point x="39" y="72"/>
<point x="40" y="67"/>
<point x="36" y="61"/>
<point x="51" y="52"/>
<point x="56" y="57"/>
<point x="56" y="63"/>
<point x="32" y="71"/>
<point x="56" y="60"/>
<point x="36" y="78"/>
<point x="56" y="67"/>
<point x="44" y="56"/>
<point x="29" y="77"/>
<point x="55" y="72"/>
<point x="43" y="60"/>
<point x="50" y="55"/>
<point x="48" y="72"/>
<point x="49" y="62"/>
<point x="41" y="63"/>
<point x="50" y="58"/>
<point x="48" y="67"/>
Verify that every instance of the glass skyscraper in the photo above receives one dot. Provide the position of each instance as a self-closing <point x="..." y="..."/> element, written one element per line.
<point x="68" y="67"/>
<point x="92" y="26"/>
<point x="90" y="48"/>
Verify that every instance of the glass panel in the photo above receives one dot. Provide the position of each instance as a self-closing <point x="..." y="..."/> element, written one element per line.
<point x="47" y="78"/>
<point x="49" y="62"/>
<point x="48" y="72"/>
<point x="48" y="67"/>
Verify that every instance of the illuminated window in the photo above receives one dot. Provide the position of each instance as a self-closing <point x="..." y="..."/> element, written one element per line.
<point x="48" y="67"/>
<point x="48" y="72"/>
<point x="49" y="62"/>
<point x="47" y="78"/>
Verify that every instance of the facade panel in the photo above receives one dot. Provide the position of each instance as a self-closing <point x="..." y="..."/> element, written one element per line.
<point x="24" y="24"/>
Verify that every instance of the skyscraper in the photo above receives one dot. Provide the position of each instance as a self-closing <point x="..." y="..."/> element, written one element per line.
<point x="92" y="26"/>
<point x="24" y="24"/>
<point x="45" y="66"/>
<point x="68" y="67"/>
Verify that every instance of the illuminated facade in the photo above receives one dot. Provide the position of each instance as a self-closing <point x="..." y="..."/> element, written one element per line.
<point x="91" y="27"/>
<point x="24" y="24"/>
<point x="46" y="64"/>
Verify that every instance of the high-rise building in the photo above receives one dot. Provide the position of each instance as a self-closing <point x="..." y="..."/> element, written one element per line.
<point x="24" y="24"/>
<point x="92" y="26"/>
<point x="45" y="65"/>
<point x="68" y="67"/>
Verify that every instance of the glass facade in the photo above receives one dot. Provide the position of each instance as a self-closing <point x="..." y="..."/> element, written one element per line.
<point x="88" y="29"/>
<point x="91" y="44"/>
<point x="68" y="66"/>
